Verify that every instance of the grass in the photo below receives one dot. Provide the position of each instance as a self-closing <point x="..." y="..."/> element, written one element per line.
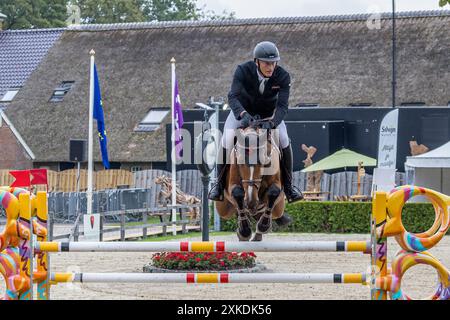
<point x="187" y="235"/>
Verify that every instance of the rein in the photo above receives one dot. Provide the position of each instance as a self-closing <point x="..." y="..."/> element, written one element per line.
<point x="268" y="145"/>
<point x="253" y="182"/>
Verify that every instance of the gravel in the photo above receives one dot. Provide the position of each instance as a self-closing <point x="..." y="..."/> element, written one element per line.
<point x="419" y="281"/>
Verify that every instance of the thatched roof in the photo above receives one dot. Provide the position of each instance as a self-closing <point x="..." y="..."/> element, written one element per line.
<point x="335" y="60"/>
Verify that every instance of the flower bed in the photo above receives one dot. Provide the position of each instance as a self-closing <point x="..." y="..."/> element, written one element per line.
<point x="201" y="261"/>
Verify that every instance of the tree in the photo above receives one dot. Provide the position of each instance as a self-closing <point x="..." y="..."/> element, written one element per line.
<point x="29" y="14"/>
<point x="167" y="10"/>
<point x="32" y="14"/>
<point x="444" y="2"/>
<point x="110" y="11"/>
<point x="117" y="11"/>
<point x="211" y="15"/>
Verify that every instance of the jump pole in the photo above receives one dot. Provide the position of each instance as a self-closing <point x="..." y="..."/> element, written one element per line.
<point x="218" y="246"/>
<point x="299" y="278"/>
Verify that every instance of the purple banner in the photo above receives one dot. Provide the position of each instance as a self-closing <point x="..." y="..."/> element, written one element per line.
<point x="178" y="119"/>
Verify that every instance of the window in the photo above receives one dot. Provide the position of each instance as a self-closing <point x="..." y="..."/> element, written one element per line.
<point x="412" y="104"/>
<point x="10" y="94"/>
<point x="152" y="121"/>
<point x="61" y="91"/>
<point x="136" y="168"/>
<point x="361" y="104"/>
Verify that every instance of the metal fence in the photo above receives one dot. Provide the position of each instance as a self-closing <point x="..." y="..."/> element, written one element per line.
<point x="62" y="206"/>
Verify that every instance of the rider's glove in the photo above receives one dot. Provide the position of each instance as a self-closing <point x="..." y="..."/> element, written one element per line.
<point x="267" y="125"/>
<point x="246" y="120"/>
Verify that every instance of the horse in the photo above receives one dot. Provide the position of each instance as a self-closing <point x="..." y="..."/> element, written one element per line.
<point x="253" y="189"/>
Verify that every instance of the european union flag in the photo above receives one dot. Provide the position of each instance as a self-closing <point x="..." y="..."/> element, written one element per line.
<point x="98" y="115"/>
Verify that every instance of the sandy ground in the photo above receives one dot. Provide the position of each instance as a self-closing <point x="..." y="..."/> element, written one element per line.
<point x="419" y="281"/>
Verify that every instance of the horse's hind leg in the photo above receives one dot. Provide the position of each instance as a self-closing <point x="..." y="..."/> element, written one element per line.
<point x="264" y="224"/>
<point x="244" y="231"/>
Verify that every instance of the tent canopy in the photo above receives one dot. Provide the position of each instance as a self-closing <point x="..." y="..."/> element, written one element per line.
<point x="341" y="159"/>
<point x="436" y="158"/>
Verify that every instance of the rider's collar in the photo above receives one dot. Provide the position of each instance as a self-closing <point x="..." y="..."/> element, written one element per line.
<point x="260" y="76"/>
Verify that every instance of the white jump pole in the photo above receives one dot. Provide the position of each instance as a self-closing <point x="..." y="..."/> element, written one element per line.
<point x="301" y="278"/>
<point x="218" y="246"/>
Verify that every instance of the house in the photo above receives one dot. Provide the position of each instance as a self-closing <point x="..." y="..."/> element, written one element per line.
<point x="333" y="61"/>
<point x="21" y="51"/>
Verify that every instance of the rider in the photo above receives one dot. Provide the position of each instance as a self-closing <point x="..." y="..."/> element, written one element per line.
<point x="260" y="87"/>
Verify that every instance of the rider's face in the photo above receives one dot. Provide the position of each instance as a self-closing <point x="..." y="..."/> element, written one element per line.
<point x="267" y="68"/>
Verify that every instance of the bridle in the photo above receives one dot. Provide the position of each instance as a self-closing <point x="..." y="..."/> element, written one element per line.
<point x="251" y="182"/>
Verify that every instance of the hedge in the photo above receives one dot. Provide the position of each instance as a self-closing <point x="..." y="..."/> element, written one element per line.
<point x="344" y="217"/>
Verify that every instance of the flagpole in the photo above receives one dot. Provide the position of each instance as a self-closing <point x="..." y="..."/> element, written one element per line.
<point x="173" y="153"/>
<point x="91" y="134"/>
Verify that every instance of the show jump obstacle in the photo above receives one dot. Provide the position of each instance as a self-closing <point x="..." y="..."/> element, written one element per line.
<point x="24" y="244"/>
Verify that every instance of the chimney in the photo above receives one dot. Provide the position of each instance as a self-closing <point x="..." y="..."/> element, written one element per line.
<point x="2" y="18"/>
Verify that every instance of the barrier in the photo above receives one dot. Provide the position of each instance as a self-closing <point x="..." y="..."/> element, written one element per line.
<point x="219" y="246"/>
<point x="27" y="215"/>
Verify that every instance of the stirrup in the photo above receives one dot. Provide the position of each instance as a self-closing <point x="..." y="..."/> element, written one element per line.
<point x="221" y="195"/>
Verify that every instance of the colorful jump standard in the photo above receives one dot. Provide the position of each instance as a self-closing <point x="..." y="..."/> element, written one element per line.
<point x="386" y="222"/>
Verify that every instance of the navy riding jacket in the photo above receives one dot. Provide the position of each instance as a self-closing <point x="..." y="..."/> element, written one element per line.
<point x="245" y="96"/>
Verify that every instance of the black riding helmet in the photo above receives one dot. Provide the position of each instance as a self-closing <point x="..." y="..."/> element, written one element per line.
<point x="266" y="51"/>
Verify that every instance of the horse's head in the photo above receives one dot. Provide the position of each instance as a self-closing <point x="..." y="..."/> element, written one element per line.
<point x="252" y="155"/>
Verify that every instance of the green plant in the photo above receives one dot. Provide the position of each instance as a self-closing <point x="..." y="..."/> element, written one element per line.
<point x="203" y="260"/>
<point x="344" y="217"/>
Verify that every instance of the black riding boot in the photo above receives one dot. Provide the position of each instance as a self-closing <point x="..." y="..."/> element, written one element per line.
<point x="216" y="192"/>
<point x="287" y="168"/>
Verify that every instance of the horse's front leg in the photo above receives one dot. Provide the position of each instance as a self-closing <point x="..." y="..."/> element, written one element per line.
<point x="264" y="224"/>
<point x="244" y="231"/>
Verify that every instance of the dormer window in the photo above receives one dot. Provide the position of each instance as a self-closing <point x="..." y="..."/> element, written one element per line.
<point x="61" y="91"/>
<point x="307" y="105"/>
<point x="413" y="104"/>
<point x="361" y="104"/>
<point x="152" y="121"/>
<point x="9" y="95"/>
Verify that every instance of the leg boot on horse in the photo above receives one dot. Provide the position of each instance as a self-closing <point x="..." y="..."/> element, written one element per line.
<point x="244" y="231"/>
<point x="287" y="168"/>
<point x="264" y="224"/>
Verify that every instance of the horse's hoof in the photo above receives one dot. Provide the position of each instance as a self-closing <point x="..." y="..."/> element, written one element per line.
<point x="257" y="237"/>
<point x="284" y="220"/>
<point x="264" y="225"/>
<point x="243" y="238"/>
<point x="245" y="235"/>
